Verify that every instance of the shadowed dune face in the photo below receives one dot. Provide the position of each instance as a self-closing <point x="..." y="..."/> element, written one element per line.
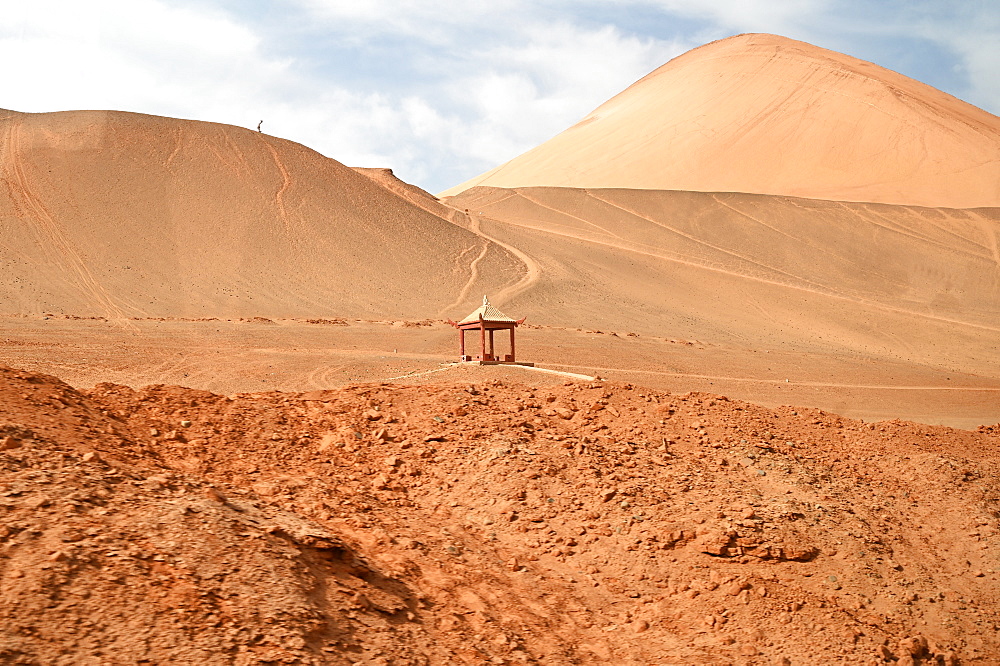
<point x="769" y="115"/>
<point x="900" y="282"/>
<point x="117" y="215"/>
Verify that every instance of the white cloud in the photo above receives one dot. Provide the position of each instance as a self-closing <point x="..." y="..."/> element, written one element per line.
<point x="136" y="55"/>
<point x="971" y="31"/>
<point x="440" y="91"/>
<point x="748" y="15"/>
<point x="434" y="21"/>
<point x="523" y="93"/>
<point x="981" y="56"/>
<point x="512" y="76"/>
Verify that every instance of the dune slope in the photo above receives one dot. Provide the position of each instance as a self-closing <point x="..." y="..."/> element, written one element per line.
<point x="760" y="272"/>
<point x="769" y="115"/>
<point x="120" y="215"/>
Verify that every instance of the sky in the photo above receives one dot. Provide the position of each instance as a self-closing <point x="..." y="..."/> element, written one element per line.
<point x="437" y="90"/>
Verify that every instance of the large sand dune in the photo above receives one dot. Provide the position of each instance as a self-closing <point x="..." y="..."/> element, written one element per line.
<point x="128" y="215"/>
<point x="769" y="115"/>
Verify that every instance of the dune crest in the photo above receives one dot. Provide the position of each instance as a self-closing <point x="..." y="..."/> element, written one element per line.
<point x="769" y="115"/>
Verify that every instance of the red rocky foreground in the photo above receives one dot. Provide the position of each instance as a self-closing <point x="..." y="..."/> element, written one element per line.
<point x="458" y="524"/>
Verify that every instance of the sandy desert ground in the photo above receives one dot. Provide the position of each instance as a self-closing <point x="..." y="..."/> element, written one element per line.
<point x="234" y="356"/>
<point x="762" y="292"/>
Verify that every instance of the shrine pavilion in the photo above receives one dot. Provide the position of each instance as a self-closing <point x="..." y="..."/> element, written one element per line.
<point x="487" y="319"/>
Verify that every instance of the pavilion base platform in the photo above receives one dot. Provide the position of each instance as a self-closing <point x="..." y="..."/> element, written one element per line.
<point x="492" y="359"/>
<point x="530" y="365"/>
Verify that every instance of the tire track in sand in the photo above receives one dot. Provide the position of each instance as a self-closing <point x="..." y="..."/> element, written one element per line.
<point x="762" y="280"/>
<point x="532" y="273"/>
<point x="991" y="235"/>
<point x="50" y="230"/>
<point x="783" y="382"/>
<point x="279" y="196"/>
<point x="767" y="268"/>
<point x="471" y="222"/>
<point x="473" y="277"/>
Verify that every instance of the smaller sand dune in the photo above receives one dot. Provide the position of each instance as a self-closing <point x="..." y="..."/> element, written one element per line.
<point x="119" y="214"/>
<point x="894" y="282"/>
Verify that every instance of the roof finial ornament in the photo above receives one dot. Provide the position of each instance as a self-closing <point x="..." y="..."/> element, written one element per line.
<point x="485" y="301"/>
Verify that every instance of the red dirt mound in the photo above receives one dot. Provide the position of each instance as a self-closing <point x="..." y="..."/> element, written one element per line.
<point x="583" y="523"/>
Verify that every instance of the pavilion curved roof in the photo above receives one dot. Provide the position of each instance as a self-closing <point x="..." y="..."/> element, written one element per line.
<point x="488" y="313"/>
